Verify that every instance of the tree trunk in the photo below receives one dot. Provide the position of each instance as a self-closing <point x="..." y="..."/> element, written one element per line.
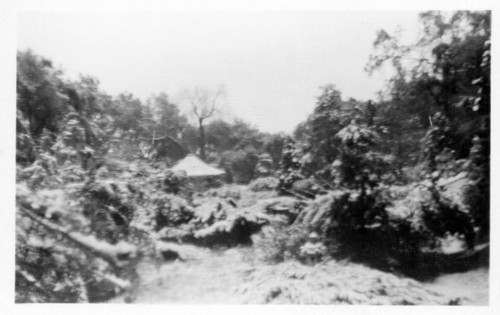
<point x="202" y="139"/>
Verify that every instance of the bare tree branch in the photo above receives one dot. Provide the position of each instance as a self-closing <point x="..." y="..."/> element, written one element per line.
<point x="113" y="254"/>
<point x="204" y="105"/>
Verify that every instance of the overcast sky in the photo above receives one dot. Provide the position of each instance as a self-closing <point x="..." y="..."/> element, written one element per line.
<point x="271" y="63"/>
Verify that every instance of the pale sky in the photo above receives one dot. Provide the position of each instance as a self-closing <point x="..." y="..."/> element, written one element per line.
<point x="271" y="63"/>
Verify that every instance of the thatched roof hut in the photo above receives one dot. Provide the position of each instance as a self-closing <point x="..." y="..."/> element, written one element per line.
<point x="194" y="167"/>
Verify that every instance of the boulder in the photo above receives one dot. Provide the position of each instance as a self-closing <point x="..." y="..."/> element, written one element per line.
<point x="169" y="251"/>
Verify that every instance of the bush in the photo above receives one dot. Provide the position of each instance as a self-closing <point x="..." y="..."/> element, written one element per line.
<point x="109" y="205"/>
<point x="169" y="210"/>
<point x="241" y="163"/>
<point x="42" y="173"/>
<point x="290" y="166"/>
<point x="173" y="181"/>
<point x="55" y="262"/>
<point x="264" y="166"/>
<point x="441" y="216"/>
<point x="277" y="243"/>
<point x="226" y="191"/>
<point x="477" y="192"/>
<point x="374" y="236"/>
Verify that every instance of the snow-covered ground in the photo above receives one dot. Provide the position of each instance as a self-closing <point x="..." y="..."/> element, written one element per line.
<point x="235" y="276"/>
<point x="473" y="285"/>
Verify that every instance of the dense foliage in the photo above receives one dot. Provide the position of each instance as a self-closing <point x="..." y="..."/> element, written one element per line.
<point x="92" y="171"/>
<point x="384" y="182"/>
<point x="431" y="131"/>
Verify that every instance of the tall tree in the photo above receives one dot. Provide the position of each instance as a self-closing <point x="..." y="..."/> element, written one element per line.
<point x="438" y="72"/>
<point x="443" y="81"/>
<point x="204" y="104"/>
<point x="168" y="119"/>
<point x="40" y="98"/>
<point x="318" y="132"/>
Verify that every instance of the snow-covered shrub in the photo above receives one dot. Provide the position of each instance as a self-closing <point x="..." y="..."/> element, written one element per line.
<point x="437" y="141"/>
<point x="227" y="191"/>
<point x="278" y="242"/>
<point x="72" y="173"/>
<point x="56" y="261"/>
<point x="477" y="192"/>
<point x="169" y="210"/>
<point x="359" y="227"/>
<point x="218" y="221"/>
<point x="173" y="181"/>
<point x="264" y="167"/>
<point x="310" y="249"/>
<point x="25" y="145"/>
<point x="43" y="173"/>
<point x="442" y="215"/>
<point x="335" y="282"/>
<point x="109" y="205"/>
<point x="290" y="166"/>
<point x="231" y="231"/>
<point x="264" y="183"/>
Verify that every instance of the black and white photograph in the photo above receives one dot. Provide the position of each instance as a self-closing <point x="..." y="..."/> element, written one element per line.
<point x="233" y="157"/>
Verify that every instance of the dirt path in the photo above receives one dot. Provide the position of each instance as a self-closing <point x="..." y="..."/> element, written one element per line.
<point x="211" y="278"/>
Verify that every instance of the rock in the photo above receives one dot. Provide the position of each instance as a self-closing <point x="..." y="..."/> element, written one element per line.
<point x="181" y="234"/>
<point x="169" y="251"/>
<point x="235" y="230"/>
<point x="308" y="187"/>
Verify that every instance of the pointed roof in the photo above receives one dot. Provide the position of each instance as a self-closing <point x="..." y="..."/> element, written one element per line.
<point x="195" y="167"/>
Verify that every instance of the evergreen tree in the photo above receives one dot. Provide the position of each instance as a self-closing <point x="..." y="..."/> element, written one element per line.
<point x="290" y="167"/>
